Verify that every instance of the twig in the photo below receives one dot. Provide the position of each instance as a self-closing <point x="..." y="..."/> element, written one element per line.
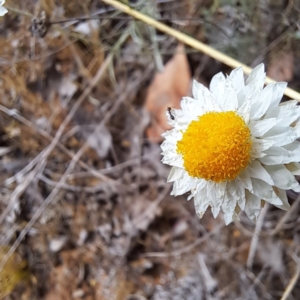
<point x="229" y="61"/>
<point x="256" y="234"/>
<point x="291" y="284"/>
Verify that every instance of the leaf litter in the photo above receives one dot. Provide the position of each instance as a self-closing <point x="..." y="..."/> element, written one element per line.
<point x="113" y="231"/>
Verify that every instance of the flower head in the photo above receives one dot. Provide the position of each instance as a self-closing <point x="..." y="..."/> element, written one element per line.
<point x="3" y="10"/>
<point x="234" y="145"/>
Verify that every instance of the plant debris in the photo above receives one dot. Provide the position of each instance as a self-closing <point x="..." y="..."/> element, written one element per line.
<point x="83" y="101"/>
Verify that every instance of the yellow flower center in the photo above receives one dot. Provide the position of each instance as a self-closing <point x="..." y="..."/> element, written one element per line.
<point x="216" y="147"/>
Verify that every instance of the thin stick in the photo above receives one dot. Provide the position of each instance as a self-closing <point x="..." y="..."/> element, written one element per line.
<point x="227" y="60"/>
<point x="291" y="284"/>
<point x="256" y="234"/>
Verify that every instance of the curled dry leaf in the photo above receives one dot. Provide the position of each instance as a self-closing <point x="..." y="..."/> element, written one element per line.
<point x="166" y="90"/>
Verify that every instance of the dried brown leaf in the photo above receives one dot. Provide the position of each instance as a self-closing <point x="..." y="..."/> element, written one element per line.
<point x="166" y="90"/>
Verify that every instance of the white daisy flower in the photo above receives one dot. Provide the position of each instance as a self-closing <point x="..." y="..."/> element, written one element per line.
<point x="233" y="145"/>
<point x="3" y="10"/>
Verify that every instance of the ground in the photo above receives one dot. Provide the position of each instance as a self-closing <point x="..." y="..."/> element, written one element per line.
<point x="86" y="212"/>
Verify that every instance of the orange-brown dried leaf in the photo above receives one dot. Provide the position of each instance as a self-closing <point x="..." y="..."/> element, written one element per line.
<point x="166" y="90"/>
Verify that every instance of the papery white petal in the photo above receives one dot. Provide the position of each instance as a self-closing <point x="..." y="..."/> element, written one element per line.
<point x="289" y="117"/>
<point x="259" y="145"/>
<point x="283" y="197"/>
<point x="279" y="155"/>
<point x="175" y="174"/>
<point x="201" y="184"/>
<point x="297" y="130"/>
<point x="183" y="185"/>
<point x="244" y="111"/>
<point x="257" y="77"/>
<point x="241" y="198"/>
<point x="201" y="202"/>
<point x="230" y="198"/>
<point x="216" y="192"/>
<point x="217" y="87"/>
<point x="283" y="178"/>
<point x="230" y="102"/>
<point x="245" y="179"/>
<point x="279" y="111"/>
<point x="192" y="107"/>
<point x="281" y="135"/>
<point x="265" y="191"/>
<point x="237" y="77"/>
<point x="278" y="93"/>
<point x="263" y="103"/>
<point x="294" y="168"/>
<point x="228" y="218"/>
<point x="260" y="127"/>
<point x="175" y="161"/>
<point x="172" y="135"/>
<point x="253" y="206"/>
<point x="256" y="170"/>
<point x="205" y="97"/>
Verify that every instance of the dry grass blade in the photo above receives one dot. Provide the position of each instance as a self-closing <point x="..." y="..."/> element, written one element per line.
<point x="254" y="241"/>
<point x="192" y="42"/>
<point x="291" y="284"/>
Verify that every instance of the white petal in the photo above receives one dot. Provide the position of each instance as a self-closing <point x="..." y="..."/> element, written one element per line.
<point x="281" y="135"/>
<point x="283" y="197"/>
<point x="245" y="179"/>
<point x="297" y="130"/>
<point x="253" y="206"/>
<point x="280" y="110"/>
<point x="237" y="77"/>
<point x="172" y="135"/>
<point x="201" y="202"/>
<point x="278" y="93"/>
<point x="174" y="161"/>
<point x="230" y="102"/>
<point x="244" y="111"/>
<point x="183" y="185"/>
<point x="256" y="170"/>
<point x="263" y="103"/>
<point x="228" y="218"/>
<point x="192" y="107"/>
<point x="283" y="178"/>
<point x="265" y="192"/>
<point x="260" y="145"/>
<point x="3" y="11"/>
<point x="257" y="77"/>
<point x="289" y="117"/>
<point x="260" y="127"/>
<point x="241" y="194"/>
<point x="294" y="168"/>
<point x="231" y="196"/>
<point x="175" y="174"/>
<point x="201" y="183"/>
<point x="217" y="87"/>
<point x="202" y="94"/>
<point x="216" y="192"/>
<point x="278" y="155"/>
